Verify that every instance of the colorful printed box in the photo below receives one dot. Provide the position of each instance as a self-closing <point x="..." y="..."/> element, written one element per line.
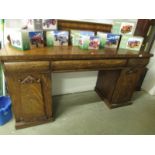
<point x="131" y="43"/>
<point x="20" y="40"/>
<point x="108" y="40"/>
<point x="36" y="39"/>
<point x="87" y="42"/>
<point x="76" y="34"/>
<point x="94" y="43"/>
<point x="57" y="38"/>
<point x="123" y="28"/>
<point x="49" y="24"/>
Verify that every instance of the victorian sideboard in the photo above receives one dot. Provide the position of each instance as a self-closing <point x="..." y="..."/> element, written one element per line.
<point x="28" y="77"/>
<point x="28" y="73"/>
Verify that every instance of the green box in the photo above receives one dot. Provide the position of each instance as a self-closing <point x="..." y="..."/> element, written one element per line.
<point x="123" y="28"/>
<point x="20" y="40"/>
<point x="77" y="34"/>
<point x="57" y="38"/>
<point x="108" y="40"/>
<point x="84" y="42"/>
<point x="87" y="42"/>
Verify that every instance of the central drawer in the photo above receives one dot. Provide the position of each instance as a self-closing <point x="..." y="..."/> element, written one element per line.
<point x="73" y="65"/>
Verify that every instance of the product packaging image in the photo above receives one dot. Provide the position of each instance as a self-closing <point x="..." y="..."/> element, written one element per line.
<point x="49" y="24"/>
<point x="36" y="39"/>
<point x="94" y="43"/>
<point x="123" y="28"/>
<point x="57" y="38"/>
<point x="20" y="40"/>
<point x="108" y="40"/>
<point x="76" y="35"/>
<point x="87" y="42"/>
<point x="131" y="43"/>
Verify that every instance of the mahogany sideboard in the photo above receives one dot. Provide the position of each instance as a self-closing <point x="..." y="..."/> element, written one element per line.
<point x="28" y="77"/>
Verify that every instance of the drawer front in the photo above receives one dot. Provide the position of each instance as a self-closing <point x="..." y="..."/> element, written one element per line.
<point x="72" y="65"/>
<point x="33" y="66"/>
<point x="138" y="62"/>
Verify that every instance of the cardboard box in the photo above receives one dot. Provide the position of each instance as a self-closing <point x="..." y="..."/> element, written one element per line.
<point x="87" y="42"/>
<point x="36" y="39"/>
<point x="108" y="40"/>
<point x="131" y="43"/>
<point x="49" y="24"/>
<point x="32" y="24"/>
<point x="94" y="43"/>
<point x="84" y="42"/>
<point x="20" y="40"/>
<point x="76" y="34"/>
<point x="57" y="38"/>
<point x="123" y="28"/>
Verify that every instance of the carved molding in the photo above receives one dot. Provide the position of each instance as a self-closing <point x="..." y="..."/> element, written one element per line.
<point x="29" y="79"/>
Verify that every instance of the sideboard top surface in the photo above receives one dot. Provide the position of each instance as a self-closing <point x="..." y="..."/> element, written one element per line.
<point x="65" y="53"/>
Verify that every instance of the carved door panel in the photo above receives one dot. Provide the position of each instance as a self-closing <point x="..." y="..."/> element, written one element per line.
<point x="126" y="85"/>
<point x="31" y="99"/>
<point x="29" y="85"/>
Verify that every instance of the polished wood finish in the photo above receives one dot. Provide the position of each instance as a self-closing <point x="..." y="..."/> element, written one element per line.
<point x="10" y="54"/>
<point x="125" y="86"/>
<point x="28" y="75"/>
<point x="138" y="62"/>
<point x="119" y="90"/>
<point x="29" y="85"/>
<point x="86" y="64"/>
<point x="82" y="25"/>
<point x="146" y="29"/>
<point x="142" y="27"/>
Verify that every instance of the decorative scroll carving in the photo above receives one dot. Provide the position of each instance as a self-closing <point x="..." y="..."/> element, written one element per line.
<point x="29" y="79"/>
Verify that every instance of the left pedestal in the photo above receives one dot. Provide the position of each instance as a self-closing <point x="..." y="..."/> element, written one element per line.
<point x="29" y="85"/>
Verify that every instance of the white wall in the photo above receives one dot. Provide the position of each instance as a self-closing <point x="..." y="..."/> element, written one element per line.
<point x="65" y="83"/>
<point x="149" y="81"/>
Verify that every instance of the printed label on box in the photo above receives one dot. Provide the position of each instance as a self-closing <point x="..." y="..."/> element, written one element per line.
<point x="49" y="24"/>
<point x="112" y="40"/>
<point x="124" y="28"/>
<point x="20" y="40"/>
<point x="57" y="38"/>
<point x="94" y="43"/>
<point x="108" y="40"/>
<point x="131" y="43"/>
<point x="76" y="34"/>
<point x="16" y="39"/>
<point x="36" y="39"/>
<point x="87" y="42"/>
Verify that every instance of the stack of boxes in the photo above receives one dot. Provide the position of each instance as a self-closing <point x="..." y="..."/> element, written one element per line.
<point x="126" y="30"/>
<point x="38" y="33"/>
<point x="31" y="34"/>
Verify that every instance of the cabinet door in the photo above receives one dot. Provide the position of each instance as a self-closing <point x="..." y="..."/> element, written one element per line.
<point x="31" y="96"/>
<point x="126" y="85"/>
<point x="29" y="85"/>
